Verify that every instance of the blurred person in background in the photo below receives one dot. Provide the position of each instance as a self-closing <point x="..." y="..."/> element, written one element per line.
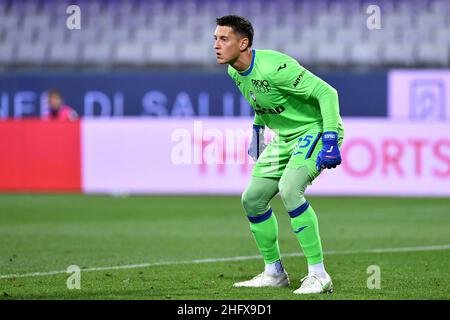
<point x="58" y="110"/>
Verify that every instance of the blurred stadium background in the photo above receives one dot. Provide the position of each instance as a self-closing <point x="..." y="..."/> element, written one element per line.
<point x="178" y="33"/>
<point x="142" y="77"/>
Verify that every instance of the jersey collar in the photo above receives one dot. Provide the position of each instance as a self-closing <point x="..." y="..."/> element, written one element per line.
<point x="247" y="72"/>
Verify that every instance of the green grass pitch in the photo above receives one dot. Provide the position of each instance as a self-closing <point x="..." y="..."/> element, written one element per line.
<point x="41" y="233"/>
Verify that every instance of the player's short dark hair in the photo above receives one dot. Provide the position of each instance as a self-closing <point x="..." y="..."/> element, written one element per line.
<point x="239" y="25"/>
<point x="54" y="92"/>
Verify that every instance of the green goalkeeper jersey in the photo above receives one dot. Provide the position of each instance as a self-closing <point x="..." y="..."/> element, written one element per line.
<point x="286" y="97"/>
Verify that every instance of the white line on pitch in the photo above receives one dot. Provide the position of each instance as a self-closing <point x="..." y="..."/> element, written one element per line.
<point x="227" y="259"/>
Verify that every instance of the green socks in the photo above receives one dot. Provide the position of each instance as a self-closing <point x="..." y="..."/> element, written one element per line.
<point x="265" y="231"/>
<point x="306" y="228"/>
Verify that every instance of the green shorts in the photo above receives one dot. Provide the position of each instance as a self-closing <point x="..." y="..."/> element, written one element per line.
<point x="293" y="152"/>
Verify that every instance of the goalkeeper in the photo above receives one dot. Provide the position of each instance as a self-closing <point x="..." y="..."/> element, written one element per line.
<point x="304" y="112"/>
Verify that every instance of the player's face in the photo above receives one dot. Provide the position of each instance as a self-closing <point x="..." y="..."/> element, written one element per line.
<point x="54" y="101"/>
<point x="226" y="44"/>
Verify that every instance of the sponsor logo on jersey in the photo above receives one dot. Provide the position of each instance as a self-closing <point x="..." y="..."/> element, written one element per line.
<point x="299" y="78"/>
<point x="276" y="110"/>
<point x="261" y="85"/>
<point x="281" y="67"/>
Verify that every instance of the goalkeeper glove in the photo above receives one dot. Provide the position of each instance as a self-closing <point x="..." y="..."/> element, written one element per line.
<point x="329" y="157"/>
<point x="257" y="144"/>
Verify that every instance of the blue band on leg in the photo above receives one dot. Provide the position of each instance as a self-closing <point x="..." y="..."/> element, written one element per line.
<point x="261" y="217"/>
<point x="299" y="210"/>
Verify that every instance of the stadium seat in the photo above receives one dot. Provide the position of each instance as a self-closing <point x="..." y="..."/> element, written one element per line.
<point x="126" y="8"/>
<point x="401" y="54"/>
<point x="146" y="35"/>
<point x="327" y="20"/>
<point x="365" y="54"/>
<point x="344" y="7"/>
<point x="64" y="53"/>
<point x="6" y="54"/>
<point x="140" y="20"/>
<point x="416" y="36"/>
<point x="9" y="21"/>
<point x="24" y="8"/>
<point x="198" y="21"/>
<point x="54" y="7"/>
<point x="32" y="53"/>
<point x="163" y="53"/>
<point x="23" y="36"/>
<point x="130" y="53"/>
<point x="184" y="35"/>
<point x="357" y="21"/>
<point x="41" y="22"/>
<point x="3" y="8"/>
<point x="396" y="20"/>
<point x="166" y="21"/>
<point x="103" y="21"/>
<point x="282" y="33"/>
<point x="430" y="21"/>
<point x="440" y="6"/>
<point x="332" y="53"/>
<point x="441" y="35"/>
<point x="383" y="35"/>
<point x="435" y="54"/>
<point x="197" y="53"/>
<point x="411" y="6"/>
<point x="261" y="40"/>
<point x="304" y="52"/>
<point x="115" y="36"/>
<point x="96" y="53"/>
<point x="297" y="22"/>
<point x="347" y="35"/>
<point x="84" y="35"/>
<point x="320" y="35"/>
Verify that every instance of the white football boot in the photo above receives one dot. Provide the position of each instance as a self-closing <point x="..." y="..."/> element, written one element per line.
<point x="266" y="280"/>
<point x="313" y="284"/>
